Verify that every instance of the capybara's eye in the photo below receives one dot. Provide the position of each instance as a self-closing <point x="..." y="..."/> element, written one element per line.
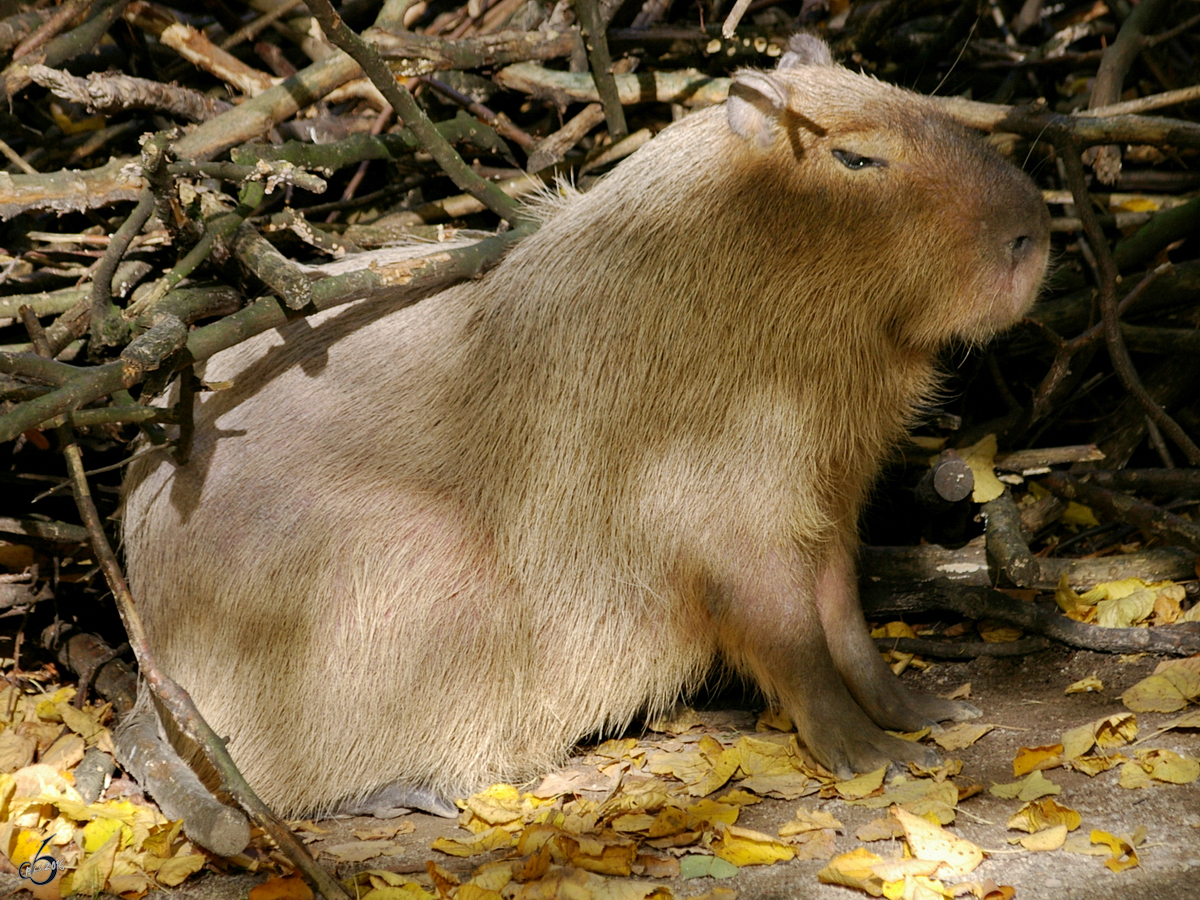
<point x="852" y="160"/>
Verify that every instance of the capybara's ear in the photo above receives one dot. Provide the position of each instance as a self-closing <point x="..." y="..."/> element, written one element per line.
<point x="756" y="102"/>
<point x="805" y="50"/>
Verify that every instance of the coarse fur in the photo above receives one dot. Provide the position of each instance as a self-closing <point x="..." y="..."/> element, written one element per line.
<point x="432" y="548"/>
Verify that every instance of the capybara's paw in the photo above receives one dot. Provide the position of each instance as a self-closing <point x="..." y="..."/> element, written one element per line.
<point x="386" y="800"/>
<point x="935" y="709"/>
<point x="899" y="709"/>
<point x="869" y="750"/>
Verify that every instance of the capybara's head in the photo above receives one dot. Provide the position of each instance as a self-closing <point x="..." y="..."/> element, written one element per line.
<point x="946" y="239"/>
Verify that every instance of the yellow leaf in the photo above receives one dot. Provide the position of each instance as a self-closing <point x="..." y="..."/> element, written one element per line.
<point x="1086" y="685"/>
<point x="487" y="841"/>
<point x="1030" y="788"/>
<point x="961" y="735"/>
<point x="1124" y="856"/>
<point x="981" y="457"/>
<point x="288" y="887"/>
<point x="498" y="805"/>
<point x="994" y="632"/>
<point x="97" y="833"/>
<point x="1133" y="776"/>
<point x="879" y="830"/>
<point x="907" y="793"/>
<point x="1094" y="765"/>
<point x="854" y="869"/>
<point x="744" y="847"/>
<point x="1029" y="759"/>
<point x="1191" y="720"/>
<point x="931" y="842"/>
<point x="1116" y="730"/>
<point x="1125" y="612"/>
<point x="1045" y="813"/>
<point x="774" y="720"/>
<point x="712" y="812"/>
<point x="1078" y="514"/>
<point x="593" y="855"/>
<point x="1068" y="601"/>
<point x="176" y="870"/>
<point x="632" y="822"/>
<point x="722" y="767"/>
<point x="1169" y="766"/>
<point x="1048" y="839"/>
<point x="475" y="892"/>
<point x="1115" y="590"/>
<point x="1165" y="691"/>
<point x="861" y="786"/>
<point x="1136" y="204"/>
<point x="806" y="821"/>
<point x="93" y="872"/>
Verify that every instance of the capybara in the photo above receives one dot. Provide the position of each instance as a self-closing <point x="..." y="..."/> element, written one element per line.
<point x="419" y="550"/>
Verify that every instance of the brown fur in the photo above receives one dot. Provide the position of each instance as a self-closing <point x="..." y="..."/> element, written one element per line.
<point x="435" y="547"/>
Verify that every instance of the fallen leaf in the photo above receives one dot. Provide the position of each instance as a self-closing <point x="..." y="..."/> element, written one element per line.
<point x="1046" y="839"/>
<point x="807" y="820"/>
<point x="931" y="842"/>
<point x="680" y="719"/>
<point x="981" y="457"/>
<point x="706" y="867"/>
<point x="1086" y="686"/>
<point x="1031" y="759"/>
<point x="1111" y="731"/>
<point x="854" y="869"/>
<point x="1124" y="854"/>
<point x="1169" y="766"/>
<point x="592" y="854"/>
<point x="962" y="692"/>
<point x="1125" y="612"/>
<point x="485" y="842"/>
<point x="359" y="851"/>
<point x="1169" y="690"/>
<point x="744" y="847"/>
<point x="961" y="735"/>
<point x="879" y="830"/>
<point x="1041" y="814"/>
<point x="1031" y="788"/>
<point x="861" y="786"/>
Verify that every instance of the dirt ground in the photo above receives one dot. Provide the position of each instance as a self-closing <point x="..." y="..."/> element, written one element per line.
<point x="1024" y="698"/>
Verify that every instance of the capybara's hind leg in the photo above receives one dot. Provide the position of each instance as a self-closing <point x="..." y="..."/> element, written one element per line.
<point x="878" y="691"/>
<point x="770" y="628"/>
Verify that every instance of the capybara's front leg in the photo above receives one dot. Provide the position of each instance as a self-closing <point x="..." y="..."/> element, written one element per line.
<point x="878" y="691"/>
<point x="771" y="629"/>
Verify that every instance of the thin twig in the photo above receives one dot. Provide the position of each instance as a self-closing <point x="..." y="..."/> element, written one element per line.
<point x="1107" y="271"/>
<point x="412" y="115"/>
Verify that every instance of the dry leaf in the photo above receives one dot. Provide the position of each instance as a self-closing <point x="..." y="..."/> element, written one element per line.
<point x="806" y="820"/>
<point x="1124" y="854"/>
<point x="1030" y="788"/>
<point x="1166" y="691"/>
<point x="1086" y="685"/>
<point x="927" y="841"/>
<point x="964" y="734"/>
<point x="1031" y="759"/>
<point x="1042" y="814"/>
<point x="744" y="847"/>
<point x="981" y="457"/>
<point x="1047" y="839"/>
<point x="861" y="786"/>
<point x="854" y="869"/>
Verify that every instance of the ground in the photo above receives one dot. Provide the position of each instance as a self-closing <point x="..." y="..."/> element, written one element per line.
<point x="1024" y="698"/>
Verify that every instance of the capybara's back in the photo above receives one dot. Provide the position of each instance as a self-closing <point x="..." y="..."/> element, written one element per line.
<point x="417" y="551"/>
